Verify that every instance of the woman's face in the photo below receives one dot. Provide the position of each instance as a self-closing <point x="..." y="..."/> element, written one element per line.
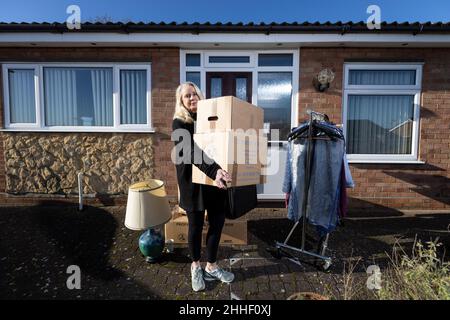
<point x="189" y="98"/>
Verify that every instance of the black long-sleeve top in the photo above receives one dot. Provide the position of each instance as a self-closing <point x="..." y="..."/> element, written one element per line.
<point x="192" y="195"/>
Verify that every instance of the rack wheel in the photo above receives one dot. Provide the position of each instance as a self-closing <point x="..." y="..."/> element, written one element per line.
<point x="275" y="252"/>
<point x="326" y="265"/>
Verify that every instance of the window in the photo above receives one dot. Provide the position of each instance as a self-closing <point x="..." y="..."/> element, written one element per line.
<point x="275" y="97"/>
<point x="228" y="59"/>
<point x="193" y="77"/>
<point x="275" y="60"/>
<point x="78" y="97"/>
<point x="216" y="87"/>
<point x="381" y="111"/>
<point x="133" y="104"/>
<point x="193" y="60"/>
<point x="22" y="97"/>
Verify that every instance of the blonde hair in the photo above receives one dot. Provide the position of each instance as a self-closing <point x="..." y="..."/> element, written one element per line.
<point x="181" y="111"/>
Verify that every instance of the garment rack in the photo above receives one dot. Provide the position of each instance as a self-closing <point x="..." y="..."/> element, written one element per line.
<point x="279" y="245"/>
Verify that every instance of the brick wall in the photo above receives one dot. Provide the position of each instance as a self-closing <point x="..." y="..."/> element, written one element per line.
<point x="165" y="79"/>
<point x="378" y="186"/>
<point x="391" y="185"/>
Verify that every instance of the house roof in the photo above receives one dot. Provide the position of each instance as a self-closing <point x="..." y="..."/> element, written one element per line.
<point x="338" y="27"/>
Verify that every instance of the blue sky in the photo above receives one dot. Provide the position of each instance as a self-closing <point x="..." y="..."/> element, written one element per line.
<point x="226" y="10"/>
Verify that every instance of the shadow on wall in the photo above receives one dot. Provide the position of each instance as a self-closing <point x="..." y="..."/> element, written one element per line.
<point x="360" y="208"/>
<point x="436" y="187"/>
<point x="427" y="113"/>
<point x="38" y="244"/>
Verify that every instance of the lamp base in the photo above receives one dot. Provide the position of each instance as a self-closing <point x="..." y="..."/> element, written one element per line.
<point x="151" y="244"/>
<point x="151" y="259"/>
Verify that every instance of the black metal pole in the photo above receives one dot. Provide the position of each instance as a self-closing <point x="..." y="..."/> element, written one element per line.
<point x="307" y="179"/>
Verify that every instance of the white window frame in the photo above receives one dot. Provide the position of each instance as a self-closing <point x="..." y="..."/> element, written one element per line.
<point x="117" y="123"/>
<point x="6" y="100"/>
<point x="254" y="69"/>
<point x="250" y="64"/>
<point x="39" y="90"/>
<point x="413" y="90"/>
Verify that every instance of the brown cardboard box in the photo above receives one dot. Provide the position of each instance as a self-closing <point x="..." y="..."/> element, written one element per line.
<point x="241" y="155"/>
<point x="233" y="232"/>
<point x="225" y="113"/>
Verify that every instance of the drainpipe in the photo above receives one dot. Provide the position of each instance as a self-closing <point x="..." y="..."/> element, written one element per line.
<point x="80" y="190"/>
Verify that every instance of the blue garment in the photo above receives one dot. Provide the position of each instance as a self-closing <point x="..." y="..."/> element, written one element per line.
<point x="294" y="176"/>
<point x="348" y="175"/>
<point x="323" y="191"/>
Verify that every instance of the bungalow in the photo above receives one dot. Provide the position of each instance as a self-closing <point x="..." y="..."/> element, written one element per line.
<point x="99" y="101"/>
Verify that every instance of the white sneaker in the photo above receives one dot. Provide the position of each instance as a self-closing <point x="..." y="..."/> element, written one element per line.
<point x="198" y="283"/>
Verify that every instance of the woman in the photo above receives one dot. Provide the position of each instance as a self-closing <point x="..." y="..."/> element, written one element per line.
<point x="195" y="198"/>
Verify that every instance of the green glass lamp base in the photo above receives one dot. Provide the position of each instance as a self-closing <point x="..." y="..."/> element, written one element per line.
<point x="151" y="244"/>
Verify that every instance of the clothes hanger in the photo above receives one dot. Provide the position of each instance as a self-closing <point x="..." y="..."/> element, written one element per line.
<point x="320" y="132"/>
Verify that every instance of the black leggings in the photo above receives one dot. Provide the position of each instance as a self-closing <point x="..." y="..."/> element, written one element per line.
<point x="216" y="220"/>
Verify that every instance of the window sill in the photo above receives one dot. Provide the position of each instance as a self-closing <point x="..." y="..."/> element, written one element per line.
<point x="150" y="130"/>
<point x="387" y="161"/>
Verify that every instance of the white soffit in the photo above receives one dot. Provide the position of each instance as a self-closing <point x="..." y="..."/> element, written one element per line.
<point x="231" y="40"/>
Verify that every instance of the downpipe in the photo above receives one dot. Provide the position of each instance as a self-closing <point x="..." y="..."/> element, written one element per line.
<point x="80" y="191"/>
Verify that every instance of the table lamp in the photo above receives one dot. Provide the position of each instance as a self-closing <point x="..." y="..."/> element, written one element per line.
<point x="148" y="209"/>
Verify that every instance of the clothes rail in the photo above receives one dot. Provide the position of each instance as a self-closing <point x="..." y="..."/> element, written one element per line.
<point x="327" y="261"/>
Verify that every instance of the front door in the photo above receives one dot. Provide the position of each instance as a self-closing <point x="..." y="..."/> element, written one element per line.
<point x="238" y="84"/>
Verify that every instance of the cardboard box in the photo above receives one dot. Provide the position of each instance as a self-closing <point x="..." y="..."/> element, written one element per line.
<point x="233" y="232"/>
<point x="238" y="153"/>
<point x="225" y="113"/>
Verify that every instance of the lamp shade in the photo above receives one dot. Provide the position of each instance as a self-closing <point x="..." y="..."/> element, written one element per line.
<point x="147" y="205"/>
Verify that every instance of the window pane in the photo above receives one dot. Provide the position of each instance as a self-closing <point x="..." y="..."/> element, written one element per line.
<point x="380" y="124"/>
<point x="382" y="77"/>
<point x="229" y="59"/>
<point x="133" y="96"/>
<point x="275" y="60"/>
<point x="22" y="101"/>
<point x="193" y="60"/>
<point x="193" y="77"/>
<point x="241" y="88"/>
<point x="78" y="96"/>
<point x="274" y="95"/>
<point x="216" y="87"/>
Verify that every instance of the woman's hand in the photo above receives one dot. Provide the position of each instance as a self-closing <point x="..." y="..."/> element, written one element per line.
<point x="221" y="178"/>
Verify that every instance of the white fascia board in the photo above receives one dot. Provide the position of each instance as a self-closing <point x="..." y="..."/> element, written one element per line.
<point x="224" y="38"/>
